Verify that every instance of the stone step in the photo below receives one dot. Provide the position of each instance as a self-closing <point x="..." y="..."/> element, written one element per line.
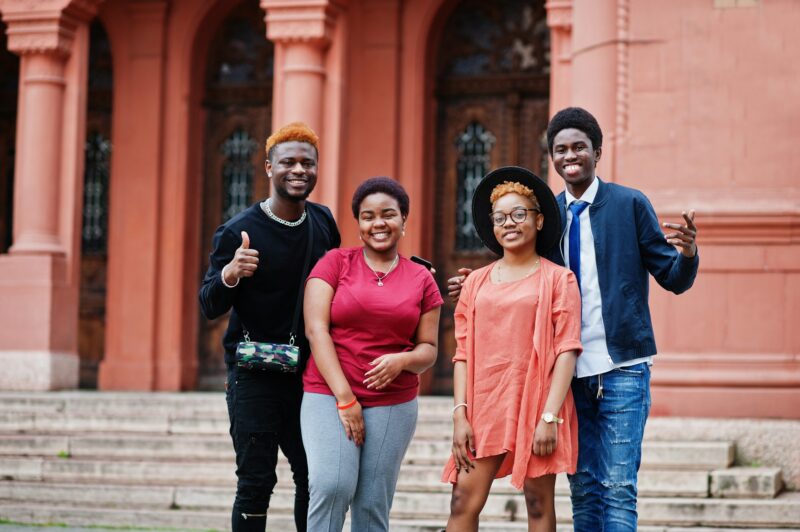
<point x="33" y="445"/>
<point x="655" y="455"/>
<point x="431" y="431"/>
<point x="783" y="511"/>
<point x="62" y="422"/>
<point x="185" y="404"/>
<point x="134" y="402"/>
<point x="161" y="420"/>
<point x="185" y="520"/>
<point x="746" y="482"/>
<point x="682" y="455"/>
<point x="107" y="495"/>
<point x="120" y="403"/>
<point x="147" y="518"/>
<point x="170" y="473"/>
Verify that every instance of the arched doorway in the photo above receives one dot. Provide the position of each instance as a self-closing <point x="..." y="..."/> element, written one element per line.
<point x="94" y="231"/>
<point x="492" y="95"/>
<point x="238" y="97"/>
<point x="9" y="83"/>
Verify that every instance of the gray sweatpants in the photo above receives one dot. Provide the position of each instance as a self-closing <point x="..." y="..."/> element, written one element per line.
<point x="342" y="475"/>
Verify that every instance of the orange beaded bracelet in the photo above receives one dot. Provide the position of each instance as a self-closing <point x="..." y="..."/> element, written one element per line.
<point x="348" y="405"/>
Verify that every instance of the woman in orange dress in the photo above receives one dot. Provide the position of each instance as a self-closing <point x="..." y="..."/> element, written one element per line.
<point x="518" y="336"/>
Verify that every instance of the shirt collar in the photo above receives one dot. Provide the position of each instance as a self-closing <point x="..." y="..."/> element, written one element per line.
<point x="588" y="196"/>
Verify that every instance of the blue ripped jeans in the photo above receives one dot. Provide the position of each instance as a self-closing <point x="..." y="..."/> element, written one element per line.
<point x="612" y="411"/>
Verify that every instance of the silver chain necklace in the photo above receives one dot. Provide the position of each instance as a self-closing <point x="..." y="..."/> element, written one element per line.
<point x="268" y="212"/>
<point x="378" y="276"/>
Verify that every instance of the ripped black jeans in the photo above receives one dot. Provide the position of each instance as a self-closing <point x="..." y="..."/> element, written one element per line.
<point x="264" y="411"/>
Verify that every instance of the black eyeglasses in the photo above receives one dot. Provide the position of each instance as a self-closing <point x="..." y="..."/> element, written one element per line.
<point x="517" y="215"/>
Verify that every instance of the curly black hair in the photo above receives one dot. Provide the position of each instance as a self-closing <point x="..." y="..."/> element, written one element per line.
<point x="386" y="185"/>
<point x="574" y="118"/>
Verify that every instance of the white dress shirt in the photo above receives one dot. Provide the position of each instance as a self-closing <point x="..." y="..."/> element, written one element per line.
<point x="595" y="359"/>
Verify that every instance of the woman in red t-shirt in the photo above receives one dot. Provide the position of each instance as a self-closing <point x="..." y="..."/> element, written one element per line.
<point x="372" y="319"/>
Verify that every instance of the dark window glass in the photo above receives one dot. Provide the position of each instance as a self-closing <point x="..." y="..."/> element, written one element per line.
<point x="237" y="172"/>
<point x="474" y="147"/>
<point x="9" y="82"/>
<point x="242" y="55"/>
<point x="95" y="194"/>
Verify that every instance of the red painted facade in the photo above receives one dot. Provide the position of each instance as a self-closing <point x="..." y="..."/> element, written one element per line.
<point x="694" y="97"/>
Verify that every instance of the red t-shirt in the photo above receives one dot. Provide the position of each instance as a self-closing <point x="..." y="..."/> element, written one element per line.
<point x="368" y="321"/>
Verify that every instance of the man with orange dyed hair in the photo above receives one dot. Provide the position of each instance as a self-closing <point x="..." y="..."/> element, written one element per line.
<point x="256" y="269"/>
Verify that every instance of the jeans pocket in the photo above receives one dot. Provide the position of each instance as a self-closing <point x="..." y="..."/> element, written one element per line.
<point x="635" y="370"/>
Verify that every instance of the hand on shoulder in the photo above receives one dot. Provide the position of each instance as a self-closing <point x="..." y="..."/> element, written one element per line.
<point x="454" y="284"/>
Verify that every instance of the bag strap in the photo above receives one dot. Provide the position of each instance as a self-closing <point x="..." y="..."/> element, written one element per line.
<point x="298" y="307"/>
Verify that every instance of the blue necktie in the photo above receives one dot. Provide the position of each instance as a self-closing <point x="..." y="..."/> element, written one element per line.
<point x="576" y="208"/>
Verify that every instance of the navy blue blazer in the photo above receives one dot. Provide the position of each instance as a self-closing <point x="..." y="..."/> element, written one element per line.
<point x="629" y="245"/>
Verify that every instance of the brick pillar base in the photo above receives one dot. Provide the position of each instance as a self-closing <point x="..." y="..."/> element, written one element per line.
<point x="38" y="311"/>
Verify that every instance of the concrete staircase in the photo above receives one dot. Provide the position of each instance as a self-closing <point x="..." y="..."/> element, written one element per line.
<point x="165" y="461"/>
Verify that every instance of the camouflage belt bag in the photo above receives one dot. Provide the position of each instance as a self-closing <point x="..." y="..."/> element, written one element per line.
<point x="282" y="358"/>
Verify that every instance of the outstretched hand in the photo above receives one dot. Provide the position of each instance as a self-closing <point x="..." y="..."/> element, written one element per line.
<point x="244" y="263"/>
<point x="684" y="237"/>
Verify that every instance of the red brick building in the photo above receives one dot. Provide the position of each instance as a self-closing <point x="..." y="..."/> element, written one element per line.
<point x="130" y="128"/>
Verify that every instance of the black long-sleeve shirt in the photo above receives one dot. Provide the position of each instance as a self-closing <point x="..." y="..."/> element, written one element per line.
<point x="264" y="303"/>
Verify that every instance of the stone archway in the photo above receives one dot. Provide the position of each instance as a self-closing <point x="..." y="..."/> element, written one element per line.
<point x="492" y="79"/>
<point x="237" y="106"/>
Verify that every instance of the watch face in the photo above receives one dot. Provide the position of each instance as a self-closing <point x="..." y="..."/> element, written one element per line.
<point x="548" y="418"/>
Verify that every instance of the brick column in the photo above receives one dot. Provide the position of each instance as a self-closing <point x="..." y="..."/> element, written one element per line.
<point x="594" y="70"/>
<point x="39" y="306"/>
<point x="559" y="19"/>
<point x="303" y="32"/>
<point x="132" y="358"/>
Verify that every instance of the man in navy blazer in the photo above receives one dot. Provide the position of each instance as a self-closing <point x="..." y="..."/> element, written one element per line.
<point x="613" y="242"/>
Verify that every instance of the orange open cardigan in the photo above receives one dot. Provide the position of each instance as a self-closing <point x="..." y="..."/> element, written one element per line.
<point x="539" y="375"/>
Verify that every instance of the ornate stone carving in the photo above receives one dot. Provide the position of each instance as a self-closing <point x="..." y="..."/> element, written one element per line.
<point x="40" y="36"/>
<point x="559" y="14"/>
<point x="45" y="26"/>
<point x="500" y="38"/>
<point x="301" y="20"/>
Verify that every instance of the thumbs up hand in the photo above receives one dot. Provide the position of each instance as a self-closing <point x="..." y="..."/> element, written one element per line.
<point x="244" y="263"/>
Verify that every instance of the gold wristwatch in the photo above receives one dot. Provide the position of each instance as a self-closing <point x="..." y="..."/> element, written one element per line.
<point x="549" y="417"/>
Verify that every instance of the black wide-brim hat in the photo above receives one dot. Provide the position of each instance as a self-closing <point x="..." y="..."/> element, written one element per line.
<point x="482" y="207"/>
